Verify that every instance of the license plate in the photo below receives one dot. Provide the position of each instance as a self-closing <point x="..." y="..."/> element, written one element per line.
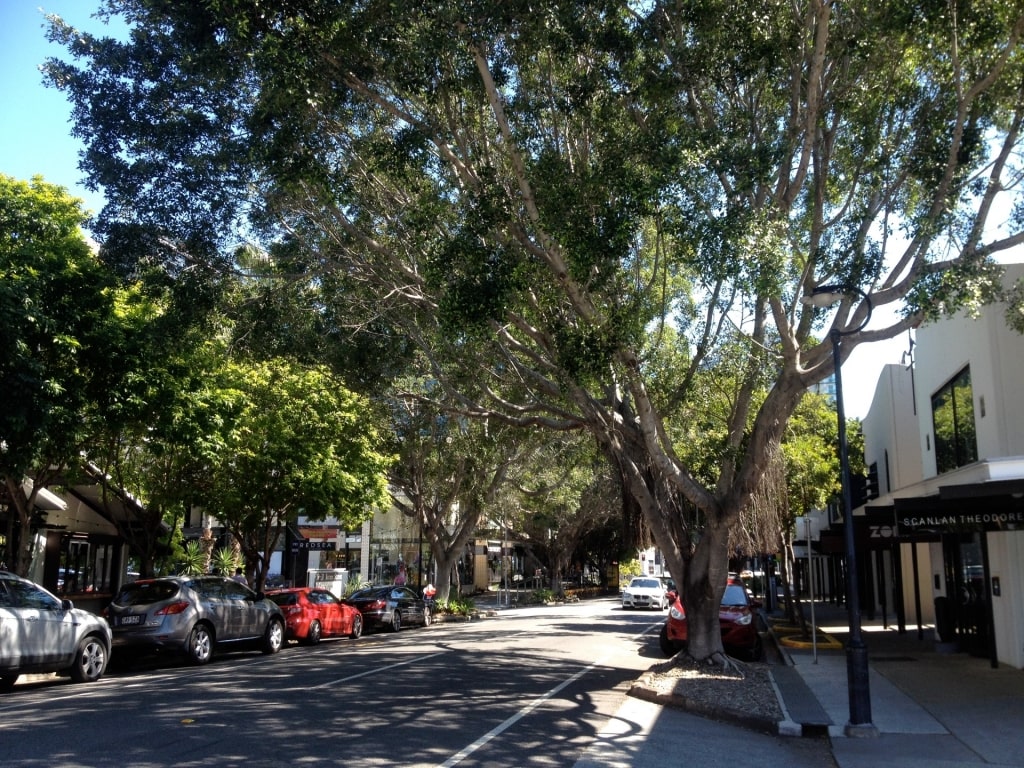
<point x="124" y="621"/>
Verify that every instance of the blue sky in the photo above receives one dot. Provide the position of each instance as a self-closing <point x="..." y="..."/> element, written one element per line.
<point x="35" y="138"/>
<point x="35" y="128"/>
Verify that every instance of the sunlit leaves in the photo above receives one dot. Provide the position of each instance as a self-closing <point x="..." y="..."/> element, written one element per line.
<point x="293" y="438"/>
<point x="55" y="324"/>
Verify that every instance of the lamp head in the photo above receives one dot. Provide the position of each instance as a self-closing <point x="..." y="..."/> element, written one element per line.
<point x="825" y="296"/>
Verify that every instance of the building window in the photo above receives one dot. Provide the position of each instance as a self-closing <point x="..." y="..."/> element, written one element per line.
<point x="956" y="442"/>
<point x="86" y="564"/>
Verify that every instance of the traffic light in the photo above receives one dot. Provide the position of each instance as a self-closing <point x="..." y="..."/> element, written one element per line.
<point x="871" y="490"/>
<point x="858" y="490"/>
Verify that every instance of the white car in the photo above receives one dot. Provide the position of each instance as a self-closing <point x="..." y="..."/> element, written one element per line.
<point x="42" y="633"/>
<point x="645" y="592"/>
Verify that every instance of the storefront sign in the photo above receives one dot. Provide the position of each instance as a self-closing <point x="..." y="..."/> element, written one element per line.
<point x="321" y="544"/>
<point x="953" y="522"/>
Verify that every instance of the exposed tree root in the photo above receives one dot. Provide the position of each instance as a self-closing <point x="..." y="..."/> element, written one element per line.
<point x="717" y="661"/>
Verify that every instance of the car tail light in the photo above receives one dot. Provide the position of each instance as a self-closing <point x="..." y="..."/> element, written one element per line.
<point x="179" y="606"/>
<point x="377" y="605"/>
<point x="291" y="610"/>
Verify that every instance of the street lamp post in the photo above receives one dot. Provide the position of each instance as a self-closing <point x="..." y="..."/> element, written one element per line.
<point x="856" y="652"/>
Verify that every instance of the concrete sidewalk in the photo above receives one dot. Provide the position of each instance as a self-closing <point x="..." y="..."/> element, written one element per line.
<point x="931" y="709"/>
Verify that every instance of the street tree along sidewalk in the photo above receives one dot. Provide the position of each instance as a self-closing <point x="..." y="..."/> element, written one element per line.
<point x="58" y="334"/>
<point x="580" y="212"/>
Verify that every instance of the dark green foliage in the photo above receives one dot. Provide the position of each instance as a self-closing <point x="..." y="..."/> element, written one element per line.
<point x="583" y="215"/>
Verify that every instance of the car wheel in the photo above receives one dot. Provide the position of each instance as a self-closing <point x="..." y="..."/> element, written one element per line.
<point x="90" y="660"/>
<point x="7" y="682"/>
<point x="357" y="627"/>
<point x="428" y="617"/>
<point x="273" y="638"/>
<point x="200" y="644"/>
<point x="315" y="633"/>
<point x="668" y="647"/>
<point x="396" y="622"/>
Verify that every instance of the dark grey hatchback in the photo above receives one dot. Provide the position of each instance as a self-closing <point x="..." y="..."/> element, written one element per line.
<point x="192" y="615"/>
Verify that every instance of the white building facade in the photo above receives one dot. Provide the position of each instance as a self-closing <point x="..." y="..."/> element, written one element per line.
<point x="943" y="544"/>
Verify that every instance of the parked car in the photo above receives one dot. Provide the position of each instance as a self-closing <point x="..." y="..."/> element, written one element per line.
<point x="735" y="616"/>
<point x="391" y="606"/>
<point x="193" y="615"/>
<point x="645" y="592"/>
<point x="311" y="614"/>
<point x="41" y="633"/>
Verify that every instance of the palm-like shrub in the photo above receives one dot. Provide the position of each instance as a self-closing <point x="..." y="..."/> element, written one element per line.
<point x="194" y="558"/>
<point x="225" y="560"/>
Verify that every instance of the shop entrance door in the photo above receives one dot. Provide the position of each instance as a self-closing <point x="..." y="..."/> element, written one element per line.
<point x="967" y="580"/>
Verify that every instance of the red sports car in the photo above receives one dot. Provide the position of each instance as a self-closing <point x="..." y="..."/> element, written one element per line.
<point x="311" y="614"/>
<point x="735" y="615"/>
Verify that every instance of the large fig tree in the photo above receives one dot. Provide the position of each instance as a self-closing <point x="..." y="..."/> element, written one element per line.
<point x="554" y="193"/>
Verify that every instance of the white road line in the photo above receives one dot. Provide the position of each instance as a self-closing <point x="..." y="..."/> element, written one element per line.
<point x="377" y="670"/>
<point x="499" y="729"/>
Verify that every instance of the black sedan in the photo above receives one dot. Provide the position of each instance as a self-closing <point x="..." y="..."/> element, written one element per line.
<point x="392" y="607"/>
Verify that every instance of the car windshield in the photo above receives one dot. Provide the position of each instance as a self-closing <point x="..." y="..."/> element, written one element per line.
<point x="284" y="598"/>
<point x="645" y="584"/>
<point x="146" y="592"/>
<point x="734" y="595"/>
<point x="368" y="594"/>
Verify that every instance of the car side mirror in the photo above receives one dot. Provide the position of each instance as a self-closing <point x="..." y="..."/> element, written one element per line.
<point x="672" y="595"/>
<point x="67" y="605"/>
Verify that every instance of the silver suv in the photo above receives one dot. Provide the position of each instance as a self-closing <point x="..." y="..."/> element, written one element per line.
<point x="40" y="633"/>
<point x="193" y="614"/>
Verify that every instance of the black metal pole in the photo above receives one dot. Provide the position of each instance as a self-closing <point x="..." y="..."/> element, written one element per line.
<point x="856" y="652"/>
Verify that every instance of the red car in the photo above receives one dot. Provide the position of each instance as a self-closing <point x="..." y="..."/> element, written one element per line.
<point x="311" y="614"/>
<point x="736" y="617"/>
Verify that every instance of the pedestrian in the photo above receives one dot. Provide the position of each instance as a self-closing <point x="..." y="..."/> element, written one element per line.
<point x="240" y="577"/>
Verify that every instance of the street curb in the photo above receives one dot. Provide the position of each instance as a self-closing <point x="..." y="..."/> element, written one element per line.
<point x="786" y="727"/>
<point x="789" y="727"/>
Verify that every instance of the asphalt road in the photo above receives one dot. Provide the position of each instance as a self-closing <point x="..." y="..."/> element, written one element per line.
<point x="539" y="686"/>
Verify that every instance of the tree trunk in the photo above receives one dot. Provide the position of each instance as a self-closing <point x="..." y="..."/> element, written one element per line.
<point x="702" y="590"/>
<point x="23" y="506"/>
<point x="785" y="571"/>
<point x="558" y="566"/>
<point x="445" y="567"/>
<point x="700" y="570"/>
<point x="446" y="547"/>
<point x="23" y="559"/>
